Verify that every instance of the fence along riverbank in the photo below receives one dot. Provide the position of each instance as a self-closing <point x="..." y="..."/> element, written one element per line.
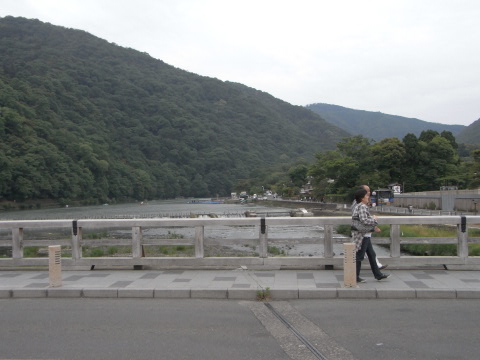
<point x="135" y="229"/>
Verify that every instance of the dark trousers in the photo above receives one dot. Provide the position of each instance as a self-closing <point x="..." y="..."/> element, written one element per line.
<point x="367" y="248"/>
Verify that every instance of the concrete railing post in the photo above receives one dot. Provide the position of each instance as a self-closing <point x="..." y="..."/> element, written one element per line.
<point x="395" y="241"/>
<point x="199" y="237"/>
<point x="263" y="245"/>
<point x="136" y="242"/>
<point x="17" y="245"/>
<point x="462" y="236"/>
<point x="76" y="240"/>
<point x="137" y="245"/>
<point x="328" y="244"/>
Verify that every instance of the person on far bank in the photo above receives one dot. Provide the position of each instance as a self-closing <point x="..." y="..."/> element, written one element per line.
<point x="363" y="244"/>
<point x="366" y="187"/>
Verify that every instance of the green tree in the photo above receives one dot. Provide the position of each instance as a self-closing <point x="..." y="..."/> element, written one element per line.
<point x="388" y="158"/>
<point x="298" y="175"/>
<point x="411" y="163"/>
<point x="341" y="169"/>
<point x="344" y="171"/>
<point x="428" y="135"/>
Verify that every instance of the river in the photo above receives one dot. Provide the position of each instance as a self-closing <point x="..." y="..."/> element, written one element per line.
<point x="151" y="209"/>
<point x="293" y="240"/>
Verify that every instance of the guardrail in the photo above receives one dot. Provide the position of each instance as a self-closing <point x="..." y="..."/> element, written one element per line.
<point x="415" y="211"/>
<point x="136" y="227"/>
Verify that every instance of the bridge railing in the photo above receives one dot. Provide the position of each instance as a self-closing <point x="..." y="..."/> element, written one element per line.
<point x="135" y="228"/>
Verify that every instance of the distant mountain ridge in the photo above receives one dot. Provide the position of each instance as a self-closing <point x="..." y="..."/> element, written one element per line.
<point x="470" y="134"/>
<point x="376" y="125"/>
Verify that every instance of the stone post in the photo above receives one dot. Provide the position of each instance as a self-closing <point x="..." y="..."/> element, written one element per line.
<point x="55" y="265"/>
<point x="349" y="266"/>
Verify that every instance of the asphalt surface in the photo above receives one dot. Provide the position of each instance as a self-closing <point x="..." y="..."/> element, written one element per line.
<point x="239" y="314"/>
<point x="337" y="329"/>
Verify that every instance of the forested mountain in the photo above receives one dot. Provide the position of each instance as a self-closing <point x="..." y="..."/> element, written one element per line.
<point x="82" y="118"/>
<point x="470" y="135"/>
<point x="376" y="125"/>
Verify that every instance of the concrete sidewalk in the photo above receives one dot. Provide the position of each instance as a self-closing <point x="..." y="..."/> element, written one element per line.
<point x="240" y="284"/>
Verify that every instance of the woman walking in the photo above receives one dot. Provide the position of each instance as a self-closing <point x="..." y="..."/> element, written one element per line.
<point x="363" y="223"/>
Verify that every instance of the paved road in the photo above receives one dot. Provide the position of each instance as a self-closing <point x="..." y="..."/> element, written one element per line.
<point x="83" y="328"/>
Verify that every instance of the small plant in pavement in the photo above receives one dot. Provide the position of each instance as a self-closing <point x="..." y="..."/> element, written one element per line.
<point x="263" y="294"/>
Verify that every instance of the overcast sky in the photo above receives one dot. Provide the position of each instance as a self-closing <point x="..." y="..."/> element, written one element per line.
<point x="413" y="58"/>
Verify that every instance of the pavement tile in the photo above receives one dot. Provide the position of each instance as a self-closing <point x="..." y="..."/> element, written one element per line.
<point x="120" y="284"/>
<point x="303" y="276"/>
<point x="150" y="276"/>
<point x="241" y="284"/>
<point x="327" y="285"/>
<point x="422" y="276"/>
<point x="9" y="275"/>
<point x="264" y="275"/>
<point x="73" y="278"/>
<point x="40" y="276"/>
<point x="37" y="285"/>
<point x="224" y="278"/>
<point x="99" y="275"/>
<point x="417" y="284"/>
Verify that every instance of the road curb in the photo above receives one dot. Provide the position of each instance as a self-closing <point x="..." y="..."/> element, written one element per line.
<point x="239" y="294"/>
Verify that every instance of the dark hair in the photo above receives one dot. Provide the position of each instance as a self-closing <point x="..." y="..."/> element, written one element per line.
<point x="359" y="195"/>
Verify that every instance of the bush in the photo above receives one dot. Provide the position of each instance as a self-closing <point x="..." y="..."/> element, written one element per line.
<point x="474" y="250"/>
<point x="96" y="252"/>
<point x="344" y="230"/>
<point x="112" y="250"/>
<point x="273" y="250"/>
<point x="430" y="249"/>
<point x="432" y="206"/>
<point x="31" y="252"/>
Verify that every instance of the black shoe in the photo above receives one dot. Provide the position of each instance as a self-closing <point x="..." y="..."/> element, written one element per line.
<point x="383" y="267"/>
<point x="383" y="276"/>
<point x="360" y="280"/>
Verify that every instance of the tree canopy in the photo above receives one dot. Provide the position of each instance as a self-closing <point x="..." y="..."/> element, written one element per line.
<point x="81" y="118"/>
<point x="420" y="164"/>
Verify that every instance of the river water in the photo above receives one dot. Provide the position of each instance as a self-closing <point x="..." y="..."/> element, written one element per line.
<point x="151" y="209"/>
<point x="290" y="240"/>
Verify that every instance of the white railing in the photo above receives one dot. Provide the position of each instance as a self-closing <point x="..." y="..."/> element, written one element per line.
<point x="394" y="210"/>
<point x="136" y="241"/>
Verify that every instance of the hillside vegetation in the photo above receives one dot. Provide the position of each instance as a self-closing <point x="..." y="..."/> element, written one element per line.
<point x="81" y="118"/>
<point x="376" y="125"/>
<point x="470" y="135"/>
